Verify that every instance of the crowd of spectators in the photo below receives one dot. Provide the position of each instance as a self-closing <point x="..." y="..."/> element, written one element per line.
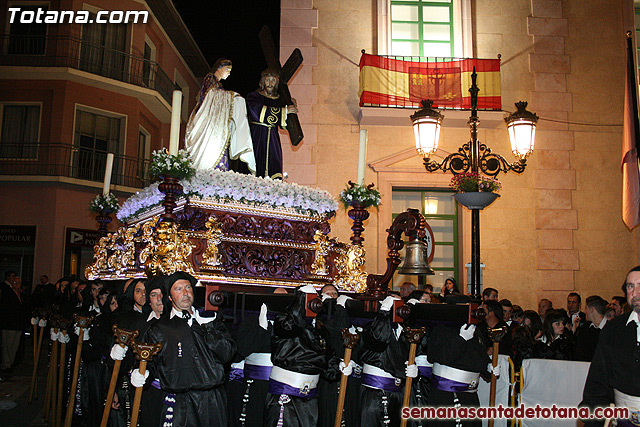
<point x="548" y="333"/>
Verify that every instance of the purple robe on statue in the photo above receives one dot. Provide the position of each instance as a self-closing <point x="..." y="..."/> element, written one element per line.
<point x="266" y="115"/>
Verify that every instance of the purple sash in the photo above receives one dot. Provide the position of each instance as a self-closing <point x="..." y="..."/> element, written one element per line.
<point x="257" y="372"/>
<point x="155" y="384"/>
<point x="425" y="371"/>
<point x="236" y="374"/>
<point x="444" y="384"/>
<point x="381" y="383"/>
<point x="276" y="387"/>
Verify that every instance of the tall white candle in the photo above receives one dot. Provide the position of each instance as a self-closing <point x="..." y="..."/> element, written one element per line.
<point x="362" y="156"/>
<point x="107" y="174"/>
<point x="174" y="134"/>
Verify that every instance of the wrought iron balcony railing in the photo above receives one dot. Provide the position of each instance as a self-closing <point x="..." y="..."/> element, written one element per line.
<point x="57" y="159"/>
<point x="66" y="51"/>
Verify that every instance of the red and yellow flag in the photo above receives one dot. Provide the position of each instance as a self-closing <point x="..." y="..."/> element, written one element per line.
<point x="393" y="82"/>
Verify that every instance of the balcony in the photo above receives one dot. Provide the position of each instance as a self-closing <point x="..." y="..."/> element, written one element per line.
<point x="70" y="52"/>
<point x="66" y="160"/>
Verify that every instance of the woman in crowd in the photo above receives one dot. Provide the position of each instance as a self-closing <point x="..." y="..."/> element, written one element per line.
<point x="554" y="343"/>
<point x="450" y="287"/>
<point x="523" y="345"/>
<point x="531" y="319"/>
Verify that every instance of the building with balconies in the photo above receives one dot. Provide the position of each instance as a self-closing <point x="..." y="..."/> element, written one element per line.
<point x="69" y="94"/>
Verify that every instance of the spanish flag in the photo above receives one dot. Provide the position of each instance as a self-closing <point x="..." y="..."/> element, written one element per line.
<point x="393" y="82"/>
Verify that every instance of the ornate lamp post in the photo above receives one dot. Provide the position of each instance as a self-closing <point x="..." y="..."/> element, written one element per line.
<point x="474" y="156"/>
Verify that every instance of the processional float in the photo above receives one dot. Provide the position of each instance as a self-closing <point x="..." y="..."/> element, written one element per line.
<point x="240" y="251"/>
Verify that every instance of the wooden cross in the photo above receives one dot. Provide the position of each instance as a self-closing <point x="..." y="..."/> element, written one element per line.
<point x="286" y="72"/>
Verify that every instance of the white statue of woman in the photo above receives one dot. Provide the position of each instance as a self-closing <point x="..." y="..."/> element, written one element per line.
<point x="217" y="130"/>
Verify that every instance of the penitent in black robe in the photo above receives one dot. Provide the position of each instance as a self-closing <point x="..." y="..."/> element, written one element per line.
<point x="152" y="398"/>
<point x="249" y="403"/>
<point x="298" y="347"/>
<point x="447" y="347"/>
<point x="615" y="365"/>
<point x="380" y="347"/>
<point x="336" y="320"/>
<point x="191" y="366"/>
<point x="265" y="117"/>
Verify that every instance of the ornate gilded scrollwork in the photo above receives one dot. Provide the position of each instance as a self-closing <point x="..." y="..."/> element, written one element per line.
<point x="323" y="243"/>
<point x="122" y="250"/>
<point x="349" y="262"/>
<point x="114" y="253"/>
<point x="211" y="255"/>
<point x="101" y="256"/>
<point x="169" y="251"/>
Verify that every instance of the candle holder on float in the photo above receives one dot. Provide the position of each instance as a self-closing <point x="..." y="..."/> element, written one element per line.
<point x="104" y="205"/>
<point x="359" y="198"/>
<point x="170" y="169"/>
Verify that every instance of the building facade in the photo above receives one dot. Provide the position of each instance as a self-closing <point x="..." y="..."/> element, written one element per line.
<point x="71" y="92"/>
<point x="557" y="227"/>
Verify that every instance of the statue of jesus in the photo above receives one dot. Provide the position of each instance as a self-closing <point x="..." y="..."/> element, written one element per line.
<point x="266" y="114"/>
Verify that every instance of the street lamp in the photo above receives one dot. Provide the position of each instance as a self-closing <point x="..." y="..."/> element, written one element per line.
<point x="474" y="156"/>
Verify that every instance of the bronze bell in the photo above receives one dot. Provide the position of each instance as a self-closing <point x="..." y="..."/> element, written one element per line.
<point x="416" y="260"/>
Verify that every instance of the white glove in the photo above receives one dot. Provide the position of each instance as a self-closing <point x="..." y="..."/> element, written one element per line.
<point x="353" y="330"/>
<point x="325" y="297"/>
<point x="118" y="352"/>
<point x="42" y="323"/>
<point x="63" y="338"/>
<point x="495" y="371"/>
<point x="137" y="379"/>
<point x="308" y="289"/>
<point x="85" y="337"/>
<point x="342" y="300"/>
<point x="387" y="303"/>
<point x="466" y="331"/>
<point x="346" y="369"/>
<point x="34" y="321"/>
<point x="411" y="371"/>
<point x="262" y="318"/>
<point x="53" y="335"/>
<point x="413" y="301"/>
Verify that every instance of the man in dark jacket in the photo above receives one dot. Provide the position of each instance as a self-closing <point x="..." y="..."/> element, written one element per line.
<point x="588" y="334"/>
<point x="191" y="363"/>
<point x="614" y="374"/>
<point x="13" y="318"/>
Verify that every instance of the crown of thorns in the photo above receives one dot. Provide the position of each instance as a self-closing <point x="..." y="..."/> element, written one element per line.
<point x="270" y="72"/>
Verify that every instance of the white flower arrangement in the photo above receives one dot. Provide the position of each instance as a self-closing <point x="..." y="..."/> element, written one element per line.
<point x="365" y="195"/>
<point x="231" y="186"/>
<point x="104" y="204"/>
<point x="164" y="164"/>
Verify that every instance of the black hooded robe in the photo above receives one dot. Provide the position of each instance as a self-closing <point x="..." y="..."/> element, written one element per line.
<point x="301" y="348"/>
<point x="191" y="366"/>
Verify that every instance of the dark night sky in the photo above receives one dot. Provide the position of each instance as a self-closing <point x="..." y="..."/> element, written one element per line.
<point x="230" y="29"/>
